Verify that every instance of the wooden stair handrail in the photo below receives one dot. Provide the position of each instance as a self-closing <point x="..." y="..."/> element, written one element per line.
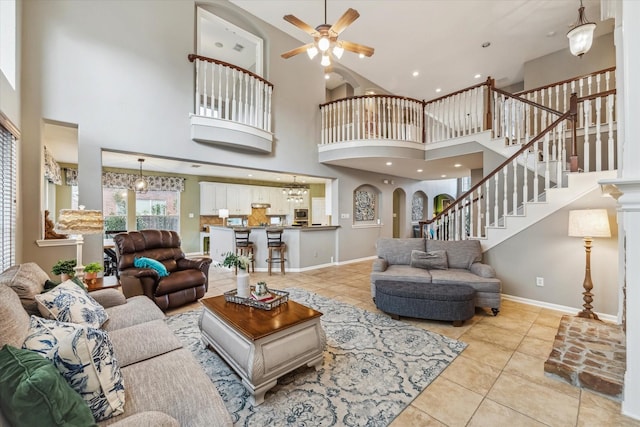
<point x="526" y="101"/>
<point x="418" y="101"/>
<point x="595" y="73"/>
<point x="192" y="57"/>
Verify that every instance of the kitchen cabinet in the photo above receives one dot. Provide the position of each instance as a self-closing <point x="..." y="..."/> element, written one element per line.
<point x="239" y="199"/>
<point x="213" y="196"/>
<point x="260" y="194"/>
<point x="278" y="202"/>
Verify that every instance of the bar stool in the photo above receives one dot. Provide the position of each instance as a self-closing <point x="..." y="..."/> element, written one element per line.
<point x="244" y="246"/>
<point x="275" y="244"/>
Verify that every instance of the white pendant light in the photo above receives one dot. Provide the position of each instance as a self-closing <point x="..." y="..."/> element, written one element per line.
<point x="325" y="61"/>
<point x="141" y="185"/>
<point x="338" y="51"/>
<point x="312" y="52"/>
<point x="581" y="35"/>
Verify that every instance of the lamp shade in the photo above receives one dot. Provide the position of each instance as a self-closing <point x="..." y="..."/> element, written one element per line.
<point x="589" y="223"/>
<point x="581" y="39"/>
<point x="79" y="221"/>
<point x="223" y="213"/>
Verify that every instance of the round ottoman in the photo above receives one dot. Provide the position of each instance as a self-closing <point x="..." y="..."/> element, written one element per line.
<point x="455" y="303"/>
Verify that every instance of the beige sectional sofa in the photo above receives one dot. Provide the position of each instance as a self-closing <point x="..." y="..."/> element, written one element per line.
<point x="463" y="266"/>
<point x="164" y="385"/>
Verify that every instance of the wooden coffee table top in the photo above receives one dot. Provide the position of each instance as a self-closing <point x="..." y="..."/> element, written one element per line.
<point x="255" y="323"/>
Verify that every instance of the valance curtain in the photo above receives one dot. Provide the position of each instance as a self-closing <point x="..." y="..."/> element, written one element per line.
<point x="52" y="171"/>
<point x="126" y="180"/>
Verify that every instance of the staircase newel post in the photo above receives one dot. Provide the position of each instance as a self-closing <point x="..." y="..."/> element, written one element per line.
<point x="573" y="109"/>
<point x="488" y="118"/>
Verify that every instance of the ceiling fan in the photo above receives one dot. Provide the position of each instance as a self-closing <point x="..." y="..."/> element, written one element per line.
<point x="325" y="38"/>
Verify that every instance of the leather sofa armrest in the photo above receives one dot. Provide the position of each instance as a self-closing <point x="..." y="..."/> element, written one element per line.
<point x="380" y="265"/>
<point x="139" y="273"/>
<point x="482" y="270"/>
<point x="139" y="281"/>
<point x="108" y="297"/>
<point x="201" y="264"/>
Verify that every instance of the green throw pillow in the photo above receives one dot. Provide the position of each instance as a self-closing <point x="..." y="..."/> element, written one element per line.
<point x="33" y="393"/>
<point x="144" y="262"/>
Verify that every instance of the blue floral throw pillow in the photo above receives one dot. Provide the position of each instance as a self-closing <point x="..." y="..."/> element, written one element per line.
<point x="144" y="262"/>
<point x="68" y="303"/>
<point x="84" y="357"/>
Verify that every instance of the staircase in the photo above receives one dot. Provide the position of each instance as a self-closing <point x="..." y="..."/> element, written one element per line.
<point x="551" y="159"/>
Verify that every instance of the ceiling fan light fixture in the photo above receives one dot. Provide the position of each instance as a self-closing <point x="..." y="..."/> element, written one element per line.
<point x="338" y="51"/>
<point x="312" y="52"/>
<point x="323" y="44"/>
<point x="325" y="61"/>
<point x="581" y="35"/>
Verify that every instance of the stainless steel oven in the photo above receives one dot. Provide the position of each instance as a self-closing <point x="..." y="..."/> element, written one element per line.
<point x="301" y="216"/>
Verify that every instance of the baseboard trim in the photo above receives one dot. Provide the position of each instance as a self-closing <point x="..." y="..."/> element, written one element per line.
<point x="557" y="307"/>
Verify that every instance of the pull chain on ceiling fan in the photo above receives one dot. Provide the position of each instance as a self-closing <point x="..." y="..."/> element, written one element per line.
<point x="325" y="38"/>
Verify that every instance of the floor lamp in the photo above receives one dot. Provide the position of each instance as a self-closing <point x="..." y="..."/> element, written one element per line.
<point x="588" y="223"/>
<point x="79" y="222"/>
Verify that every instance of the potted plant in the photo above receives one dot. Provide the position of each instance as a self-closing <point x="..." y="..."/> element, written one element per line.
<point x="91" y="270"/>
<point x="233" y="260"/>
<point x="64" y="268"/>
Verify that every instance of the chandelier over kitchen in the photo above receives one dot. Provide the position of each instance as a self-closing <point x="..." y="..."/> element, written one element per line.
<point x="295" y="192"/>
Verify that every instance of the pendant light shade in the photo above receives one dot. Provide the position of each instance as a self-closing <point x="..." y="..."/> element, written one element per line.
<point x="581" y="35"/>
<point x="141" y="185"/>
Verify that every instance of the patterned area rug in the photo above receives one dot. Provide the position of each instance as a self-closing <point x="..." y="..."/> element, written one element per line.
<point x="373" y="368"/>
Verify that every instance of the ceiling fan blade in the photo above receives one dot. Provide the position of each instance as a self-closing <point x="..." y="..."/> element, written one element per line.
<point x="357" y="48"/>
<point x="344" y="21"/>
<point x="301" y="24"/>
<point x="296" y="51"/>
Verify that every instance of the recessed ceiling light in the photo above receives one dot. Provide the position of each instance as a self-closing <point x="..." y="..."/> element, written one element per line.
<point x="477" y="76"/>
<point x="250" y="175"/>
<point x="361" y="56"/>
<point x="218" y="44"/>
<point x="419" y="170"/>
<point x="277" y="179"/>
<point x="486" y="44"/>
<point x="457" y="165"/>
<point x="443" y="176"/>
<point x="438" y="90"/>
<point x="327" y="76"/>
<point x="415" y="73"/>
<point x="389" y="163"/>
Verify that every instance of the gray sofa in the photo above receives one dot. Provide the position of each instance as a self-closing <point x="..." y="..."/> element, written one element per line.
<point x="164" y="384"/>
<point x="463" y="266"/>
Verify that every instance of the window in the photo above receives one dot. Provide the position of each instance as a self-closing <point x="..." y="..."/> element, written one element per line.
<point x="8" y="166"/>
<point x="114" y="209"/>
<point x="158" y="210"/>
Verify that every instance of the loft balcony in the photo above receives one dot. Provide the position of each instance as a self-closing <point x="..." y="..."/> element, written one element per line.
<point x="232" y="106"/>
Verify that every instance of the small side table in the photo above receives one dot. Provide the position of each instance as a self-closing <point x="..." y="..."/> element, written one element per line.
<point x="102" y="283"/>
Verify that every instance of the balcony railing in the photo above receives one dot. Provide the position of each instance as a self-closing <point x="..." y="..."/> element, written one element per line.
<point x="228" y="92"/>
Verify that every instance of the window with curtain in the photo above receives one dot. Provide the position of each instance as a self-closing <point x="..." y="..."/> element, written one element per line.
<point x="8" y="166"/>
<point x="158" y="210"/>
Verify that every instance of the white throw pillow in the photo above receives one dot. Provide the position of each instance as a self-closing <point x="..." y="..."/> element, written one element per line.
<point x="68" y="303"/>
<point x="84" y="356"/>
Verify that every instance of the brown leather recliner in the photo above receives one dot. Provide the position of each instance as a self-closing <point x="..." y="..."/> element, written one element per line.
<point x="188" y="279"/>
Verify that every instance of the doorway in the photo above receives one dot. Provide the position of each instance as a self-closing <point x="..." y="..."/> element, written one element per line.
<point x="399" y="199"/>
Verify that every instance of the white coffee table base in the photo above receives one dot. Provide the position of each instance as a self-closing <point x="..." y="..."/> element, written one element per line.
<point x="260" y="363"/>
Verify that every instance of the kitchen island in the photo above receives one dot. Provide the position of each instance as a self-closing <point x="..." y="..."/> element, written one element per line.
<point x="307" y="247"/>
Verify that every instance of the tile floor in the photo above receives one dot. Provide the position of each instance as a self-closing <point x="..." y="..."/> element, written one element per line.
<point x="498" y="380"/>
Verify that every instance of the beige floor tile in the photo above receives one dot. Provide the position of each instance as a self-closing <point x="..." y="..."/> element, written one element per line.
<point x="448" y="402"/>
<point x="492" y="334"/>
<point x="513" y="305"/>
<point x="471" y="374"/>
<point x="509" y="323"/>
<point x="412" y="416"/>
<point x="535" y="401"/>
<point x="599" y="411"/>
<point x="545" y="333"/>
<point x="485" y="352"/>
<point x="532" y="369"/>
<point x="549" y="318"/>
<point x="519" y="314"/>
<point x="491" y="413"/>
<point x="535" y="347"/>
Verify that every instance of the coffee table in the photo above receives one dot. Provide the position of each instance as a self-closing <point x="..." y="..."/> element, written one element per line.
<point x="262" y="345"/>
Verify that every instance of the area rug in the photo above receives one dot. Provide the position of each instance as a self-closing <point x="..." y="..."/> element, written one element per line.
<point x="373" y="368"/>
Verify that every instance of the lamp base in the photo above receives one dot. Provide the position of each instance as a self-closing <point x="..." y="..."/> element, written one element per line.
<point x="588" y="314"/>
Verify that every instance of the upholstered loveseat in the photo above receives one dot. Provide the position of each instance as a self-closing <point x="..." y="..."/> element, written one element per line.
<point x="455" y="262"/>
<point x="187" y="281"/>
<point x="163" y="383"/>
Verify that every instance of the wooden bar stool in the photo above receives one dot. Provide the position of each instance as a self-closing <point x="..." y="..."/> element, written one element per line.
<point x="244" y="246"/>
<point x="276" y="246"/>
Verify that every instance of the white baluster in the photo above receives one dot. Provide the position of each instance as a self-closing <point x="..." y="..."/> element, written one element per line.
<point x="220" y="104"/>
<point x="479" y="211"/>
<point x="535" y="115"/>
<point x="505" y="197"/>
<point x="487" y="206"/>
<point x="610" y="152"/>
<point x="546" y="159"/>
<point x="226" y="96"/>
<point x="496" y="200"/>
<point x="598" y="102"/>
<point x="607" y="76"/>
<point x="598" y="82"/>
<point x="589" y="84"/>
<point x="535" y="170"/>
<point x="269" y="108"/>
<point x="561" y="154"/>
<point x="525" y="177"/>
<point x="196" y="107"/>
<point x="587" y="113"/>
<point x="514" y="164"/>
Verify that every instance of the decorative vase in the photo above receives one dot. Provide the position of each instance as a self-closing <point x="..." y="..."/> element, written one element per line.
<point x="90" y="276"/>
<point x="64" y="277"/>
<point x="243" y="283"/>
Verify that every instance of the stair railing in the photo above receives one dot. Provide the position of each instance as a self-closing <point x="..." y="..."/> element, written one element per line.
<point x="498" y="193"/>
<point x="228" y="92"/>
